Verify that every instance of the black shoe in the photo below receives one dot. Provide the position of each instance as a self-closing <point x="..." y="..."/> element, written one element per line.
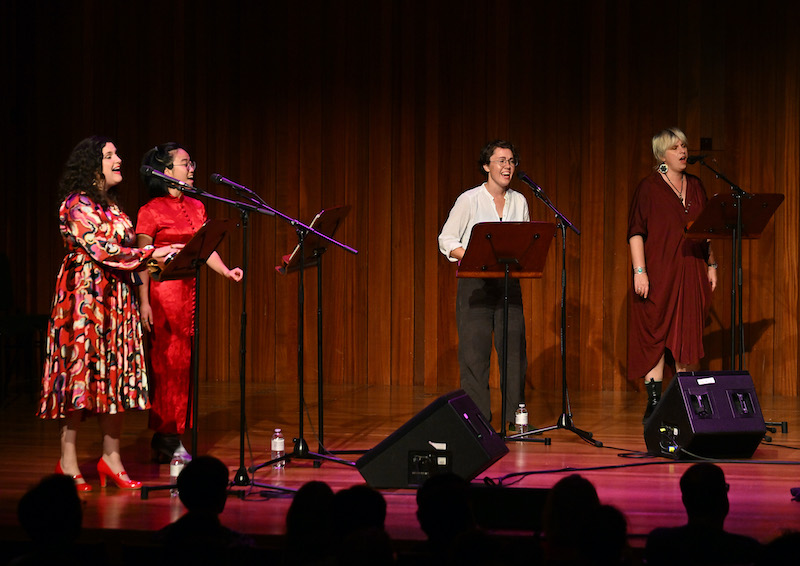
<point x="163" y="446"/>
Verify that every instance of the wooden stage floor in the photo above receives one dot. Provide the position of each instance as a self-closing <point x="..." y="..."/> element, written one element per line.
<point x="357" y="418"/>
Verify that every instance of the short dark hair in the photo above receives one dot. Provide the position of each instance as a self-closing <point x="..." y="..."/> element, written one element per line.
<point x="488" y="150"/>
<point x="203" y="484"/>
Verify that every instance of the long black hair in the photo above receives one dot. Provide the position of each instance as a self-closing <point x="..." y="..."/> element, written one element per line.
<point x="159" y="158"/>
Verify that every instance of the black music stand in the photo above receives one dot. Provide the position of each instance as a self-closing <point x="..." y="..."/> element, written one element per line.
<point x="737" y="215"/>
<point x="326" y="221"/>
<point x="316" y="236"/>
<point x="187" y="263"/>
<point x="507" y="249"/>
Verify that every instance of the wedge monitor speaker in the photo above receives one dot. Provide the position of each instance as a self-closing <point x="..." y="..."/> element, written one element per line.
<point x="449" y="435"/>
<point x="706" y="415"/>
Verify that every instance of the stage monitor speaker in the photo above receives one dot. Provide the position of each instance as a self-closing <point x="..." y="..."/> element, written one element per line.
<point x="449" y="435"/>
<point x="706" y="415"/>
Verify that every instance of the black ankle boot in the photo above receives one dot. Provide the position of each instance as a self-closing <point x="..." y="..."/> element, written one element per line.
<point x="162" y="447"/>
<point x="653" y="397"/>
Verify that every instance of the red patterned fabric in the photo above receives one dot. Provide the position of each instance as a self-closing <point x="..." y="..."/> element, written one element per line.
<point x="171" y="220"/>
<point x="94" y="353"/>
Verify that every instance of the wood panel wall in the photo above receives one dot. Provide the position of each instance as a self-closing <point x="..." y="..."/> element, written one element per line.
<point x="384" y="106"/>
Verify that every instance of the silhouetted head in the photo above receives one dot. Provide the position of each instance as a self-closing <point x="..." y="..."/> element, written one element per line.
<point x="568" y="509"/>
<point x="51" y="513"/>
<point x="443" y="506"/>
<point x="358" y="507"/>
<point x="704" y="492"/>
<point x="203" y="485"/>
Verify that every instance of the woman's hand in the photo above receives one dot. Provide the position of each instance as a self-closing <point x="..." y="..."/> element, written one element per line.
<point x="712" y="276"/>
<point x="166" y="252"/>
<point x="146" y="313"/>
<point x="235" y="274"/>
<point x="641" y="284"/>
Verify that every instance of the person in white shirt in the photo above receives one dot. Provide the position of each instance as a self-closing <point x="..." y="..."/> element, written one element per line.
<point x="479" y="302"/>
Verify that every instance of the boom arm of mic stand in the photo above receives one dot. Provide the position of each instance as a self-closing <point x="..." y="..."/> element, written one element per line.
<point x="734" y="188"/>
<point x="542" y="196"/>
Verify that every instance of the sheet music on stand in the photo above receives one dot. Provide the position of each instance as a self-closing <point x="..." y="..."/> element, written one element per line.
<point x="326" y="221"/>
<point x="194" y="253"/>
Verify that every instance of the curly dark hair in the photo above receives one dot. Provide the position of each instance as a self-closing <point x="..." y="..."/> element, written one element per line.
<point x="159" y="158"/>
<point x="488" y="150"/>
<point x="83" y="172"/>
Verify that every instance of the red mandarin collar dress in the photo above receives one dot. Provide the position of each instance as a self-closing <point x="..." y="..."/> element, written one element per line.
<point x="171" y="220"/>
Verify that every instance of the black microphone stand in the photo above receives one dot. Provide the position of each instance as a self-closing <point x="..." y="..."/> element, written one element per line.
<point x="737" y="324"/>
<point x="241" y="478"/>
<point x="565" y="420"/>
<point x="300" y="450"/>
<point x="737" y="276"/>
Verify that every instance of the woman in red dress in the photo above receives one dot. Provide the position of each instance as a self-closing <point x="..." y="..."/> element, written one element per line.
<point x="673" y="276"/>
<point x="168" y="307"/>
<point x="94" y="356"/>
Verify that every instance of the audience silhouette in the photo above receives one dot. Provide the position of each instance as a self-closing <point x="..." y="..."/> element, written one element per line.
<point x="199" y="536"/>
<point x="567" y="517"/>
<point x="309" y="539"/>
<point x="358" y="515"/>
<point x="782" y="551"/>
<point x="703" y="539"/>
<point x="51" y="514"/>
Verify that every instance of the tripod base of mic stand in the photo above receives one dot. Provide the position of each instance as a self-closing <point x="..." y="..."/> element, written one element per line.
<point x="324" y="451"/>
<point x="241" y="479"/>
<point x="565" y="423"/>
<point x="523" y="437"/>
<point x="301" y="452"/>
<point x="772" y="424"/>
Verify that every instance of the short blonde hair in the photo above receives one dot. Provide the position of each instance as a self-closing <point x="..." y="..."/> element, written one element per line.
<point x="665" y="139"/>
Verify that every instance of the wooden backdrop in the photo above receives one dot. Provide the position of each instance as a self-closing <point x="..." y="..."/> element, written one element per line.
<point x="384" y="106"/>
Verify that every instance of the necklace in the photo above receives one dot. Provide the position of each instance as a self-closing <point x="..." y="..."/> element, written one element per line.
<point x="678" y="193"/>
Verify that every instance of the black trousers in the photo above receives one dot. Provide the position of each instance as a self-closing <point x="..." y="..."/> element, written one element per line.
<point x="479" y="317"/>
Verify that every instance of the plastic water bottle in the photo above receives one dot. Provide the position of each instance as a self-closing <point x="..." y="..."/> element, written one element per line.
<point x="521" y="419"/>
<point x="175" y="468"/>
<point x="278" y="449"/>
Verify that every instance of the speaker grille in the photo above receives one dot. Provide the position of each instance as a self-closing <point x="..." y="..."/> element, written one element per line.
<point x="708" y="415"/>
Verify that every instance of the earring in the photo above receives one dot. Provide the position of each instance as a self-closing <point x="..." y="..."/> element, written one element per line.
<point x="663" y="168"/>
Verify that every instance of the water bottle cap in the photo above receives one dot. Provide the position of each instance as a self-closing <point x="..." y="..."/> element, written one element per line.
<point x="277" y="430"/>
<point x="522" y="404"/>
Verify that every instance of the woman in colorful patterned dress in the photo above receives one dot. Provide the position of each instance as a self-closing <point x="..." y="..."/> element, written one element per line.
<point x="94" y="357"/>
<point x="168" y="306"/>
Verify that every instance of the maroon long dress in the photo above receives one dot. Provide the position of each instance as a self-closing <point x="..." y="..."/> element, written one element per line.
<point x="171" y="220"/>
<point x="673" y="314"/>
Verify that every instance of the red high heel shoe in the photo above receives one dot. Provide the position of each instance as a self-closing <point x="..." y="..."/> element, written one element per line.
<point x="104" y="471"/>
<point x="80" y="483"/>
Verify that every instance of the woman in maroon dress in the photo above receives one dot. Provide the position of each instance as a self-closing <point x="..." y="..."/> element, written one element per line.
<point x="673" y="276"/>
<point x="94" y="357"/>
<point x="168" y="306"/>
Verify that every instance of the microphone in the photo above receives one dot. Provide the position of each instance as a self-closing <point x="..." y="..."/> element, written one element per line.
<point x="528" y="181"/>
<point x="220" y="180"/>
<point x="147" y="170"/>
<point x="695" y="158"/>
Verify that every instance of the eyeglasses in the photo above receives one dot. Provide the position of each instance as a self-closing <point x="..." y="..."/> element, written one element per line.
<point x="188" y="165"/>
<point x="503" y="161"/>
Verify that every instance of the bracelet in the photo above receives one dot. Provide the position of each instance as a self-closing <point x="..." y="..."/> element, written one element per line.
<point x="714" y="265"/>
<point x="639" y="270"/>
